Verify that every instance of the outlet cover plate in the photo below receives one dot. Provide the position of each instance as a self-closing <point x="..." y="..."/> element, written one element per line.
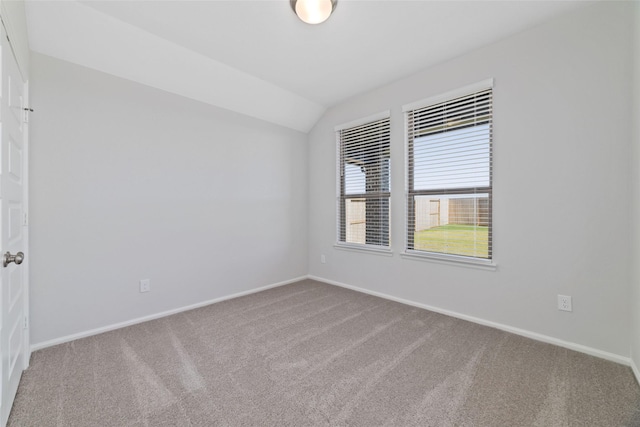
<point x="145" y="285"/>
<point x="564" y="303"/>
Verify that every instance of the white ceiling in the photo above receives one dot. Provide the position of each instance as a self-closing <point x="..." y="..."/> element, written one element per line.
<point x="257" y="58"/>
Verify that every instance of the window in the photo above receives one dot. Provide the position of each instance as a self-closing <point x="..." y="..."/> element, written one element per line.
<point x="449" y="174"/>
<point x="363" y="182"/>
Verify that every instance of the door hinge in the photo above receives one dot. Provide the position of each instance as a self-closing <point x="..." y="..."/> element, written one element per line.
<point x="26" y="322"/>
<point x="26" y="111"/>
<point x="25" y="219"/>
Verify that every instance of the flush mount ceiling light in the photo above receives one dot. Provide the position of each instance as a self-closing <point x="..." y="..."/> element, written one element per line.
<point x="313" y="11"/>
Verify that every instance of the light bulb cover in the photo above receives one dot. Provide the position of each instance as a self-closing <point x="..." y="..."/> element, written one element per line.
<point x="313" y="11"/>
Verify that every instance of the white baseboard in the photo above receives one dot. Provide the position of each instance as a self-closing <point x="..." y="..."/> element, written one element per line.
<point x="522" y="332"/>
<point x="635" y="370"/>
<point x="124" y="324"/>
<point x="533" y="335"/>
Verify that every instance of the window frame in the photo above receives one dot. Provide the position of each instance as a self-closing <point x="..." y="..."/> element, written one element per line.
<point x="341" y="190"/>
<point x="410" y="193"/>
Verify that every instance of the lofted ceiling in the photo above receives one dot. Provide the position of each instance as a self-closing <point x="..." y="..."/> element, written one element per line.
<point x="256" y="58"/>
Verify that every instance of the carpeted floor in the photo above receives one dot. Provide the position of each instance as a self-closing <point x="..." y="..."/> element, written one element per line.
<point x="313" y="354"/>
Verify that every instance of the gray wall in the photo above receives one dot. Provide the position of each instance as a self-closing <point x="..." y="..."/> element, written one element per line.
<point x="635" y="197"/>
<point x="562" y="122"/>
<point x="129" y="182"/>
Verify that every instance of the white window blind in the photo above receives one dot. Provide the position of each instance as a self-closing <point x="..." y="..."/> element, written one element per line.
<point x="449" y="176"/>
<point x="364" y="191"/>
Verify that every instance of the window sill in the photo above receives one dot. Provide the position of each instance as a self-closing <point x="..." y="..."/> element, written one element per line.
<point x="376" y="250"/>
<point x="450" y="260"/>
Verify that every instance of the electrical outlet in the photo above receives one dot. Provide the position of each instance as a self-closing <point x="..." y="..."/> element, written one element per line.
<point x="564" y="303"/>
<point x="323" y="259"/>
<point x="145" y="285"/>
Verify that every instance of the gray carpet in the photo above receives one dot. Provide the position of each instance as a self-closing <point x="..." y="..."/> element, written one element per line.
<point x="313" y="354"/>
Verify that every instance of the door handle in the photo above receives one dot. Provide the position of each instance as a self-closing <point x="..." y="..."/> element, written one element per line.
<point x="8" y="258"/>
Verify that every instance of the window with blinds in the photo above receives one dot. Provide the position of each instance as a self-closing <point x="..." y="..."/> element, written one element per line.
<point x="449" y="175"/>
<point x="363" y="176"/>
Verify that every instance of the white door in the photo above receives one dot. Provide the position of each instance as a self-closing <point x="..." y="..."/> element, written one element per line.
<point x="13" y="156"/>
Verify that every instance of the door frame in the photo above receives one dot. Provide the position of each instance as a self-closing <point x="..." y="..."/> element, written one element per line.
<point x="25" y="217"/>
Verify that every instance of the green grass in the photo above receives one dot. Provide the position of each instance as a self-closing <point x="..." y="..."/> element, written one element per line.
<point x="454" y="239"/>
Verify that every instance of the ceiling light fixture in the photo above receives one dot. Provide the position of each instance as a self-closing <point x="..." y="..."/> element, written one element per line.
<point x="313" y="11"/>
